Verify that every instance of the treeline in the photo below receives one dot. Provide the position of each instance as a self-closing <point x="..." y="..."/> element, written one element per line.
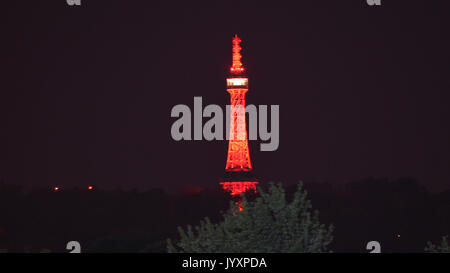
<point x="402" y="215"/>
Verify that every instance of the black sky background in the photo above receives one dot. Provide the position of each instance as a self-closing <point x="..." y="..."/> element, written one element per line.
<point x="86" y="92"/>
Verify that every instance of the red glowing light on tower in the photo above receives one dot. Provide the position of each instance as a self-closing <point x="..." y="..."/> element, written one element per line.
<point x="238" y="157"/>
<point x="56" y="189"/>
<point x="237" y="188"/>
<point x="237" y="67"/>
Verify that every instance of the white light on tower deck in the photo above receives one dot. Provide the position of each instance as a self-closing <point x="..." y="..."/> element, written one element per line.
<point x="237" y="82"/>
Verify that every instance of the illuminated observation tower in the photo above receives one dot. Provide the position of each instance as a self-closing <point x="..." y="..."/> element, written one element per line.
<point x="238" y="168"/>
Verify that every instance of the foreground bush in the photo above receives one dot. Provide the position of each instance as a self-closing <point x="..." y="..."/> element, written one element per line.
<point x="269" y="224"/>
<point x="443" y="248"/>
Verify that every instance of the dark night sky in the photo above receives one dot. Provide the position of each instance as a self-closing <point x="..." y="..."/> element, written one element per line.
<point x="86" y="92"/>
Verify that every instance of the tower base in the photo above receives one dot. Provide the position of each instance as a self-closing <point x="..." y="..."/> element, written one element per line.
<point x="238" y="187"/>
<point x="239" y="182"/>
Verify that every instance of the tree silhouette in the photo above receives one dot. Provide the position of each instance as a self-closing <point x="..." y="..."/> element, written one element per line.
<point x="269" y="224"/>
<point x="442" y="248"/>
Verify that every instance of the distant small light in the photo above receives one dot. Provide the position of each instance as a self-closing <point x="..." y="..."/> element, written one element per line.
<point x="90" y="188"/>
<point x="398" y="235"/>
<point x="56" y="188"/>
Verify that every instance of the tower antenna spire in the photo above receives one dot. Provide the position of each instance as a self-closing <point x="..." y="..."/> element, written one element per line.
<point x="237" y="66"/>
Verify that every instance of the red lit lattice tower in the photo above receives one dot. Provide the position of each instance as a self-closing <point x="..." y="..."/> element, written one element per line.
<point x="239" y="166"/>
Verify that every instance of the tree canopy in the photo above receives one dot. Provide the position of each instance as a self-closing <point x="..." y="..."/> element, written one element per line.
<point x="269" y="224"/>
